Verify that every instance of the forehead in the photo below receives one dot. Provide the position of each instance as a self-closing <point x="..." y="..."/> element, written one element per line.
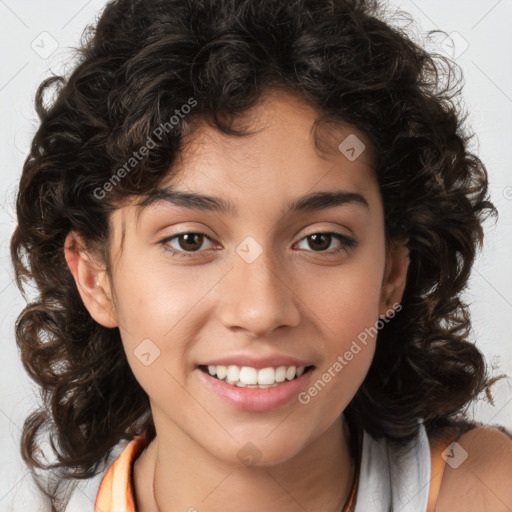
<point x="282" y="160"/>
<point x="280" y="132"/>
<point x="284" y="155"/>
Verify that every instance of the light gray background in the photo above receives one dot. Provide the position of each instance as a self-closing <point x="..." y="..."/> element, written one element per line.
<point x="29" y="29"/>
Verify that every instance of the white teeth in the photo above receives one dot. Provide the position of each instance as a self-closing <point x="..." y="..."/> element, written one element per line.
<point x="222" y="371"/>
<point x="266" y="376"/>
<point x="280" y="373"/>
<point x="233" y="373"/>
<point x="290" y="372"/>
<point x="247" y="376"/>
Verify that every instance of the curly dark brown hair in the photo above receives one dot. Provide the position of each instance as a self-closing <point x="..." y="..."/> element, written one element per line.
<point x="140" y="63"/>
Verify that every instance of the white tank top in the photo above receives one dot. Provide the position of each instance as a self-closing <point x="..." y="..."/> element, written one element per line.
<point x="394" y="482"/>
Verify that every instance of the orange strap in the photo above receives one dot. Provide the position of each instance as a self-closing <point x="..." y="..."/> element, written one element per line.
<point x="116" y="492"/>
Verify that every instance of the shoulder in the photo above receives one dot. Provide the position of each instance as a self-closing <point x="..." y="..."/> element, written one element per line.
<point x="479" y="477"/>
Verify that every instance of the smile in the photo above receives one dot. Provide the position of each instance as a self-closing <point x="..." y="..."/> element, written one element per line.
<point x="255" y="396"/>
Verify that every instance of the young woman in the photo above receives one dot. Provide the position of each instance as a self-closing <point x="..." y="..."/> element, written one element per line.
<point x="250" y="224"/>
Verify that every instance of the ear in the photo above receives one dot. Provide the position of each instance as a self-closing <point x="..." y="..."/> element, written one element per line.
<point x="395" y="276"/>
<point x="91" y="280"/>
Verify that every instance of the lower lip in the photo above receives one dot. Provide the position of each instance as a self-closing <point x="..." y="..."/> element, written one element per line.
<point x="255" y="399"/>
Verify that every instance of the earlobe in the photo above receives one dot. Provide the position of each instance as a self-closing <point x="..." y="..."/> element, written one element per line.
<point x="92" y="281"/>
<point x="395" y="277"/>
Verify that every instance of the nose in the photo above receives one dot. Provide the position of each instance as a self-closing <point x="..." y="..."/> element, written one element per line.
<point x="257" y="297"/>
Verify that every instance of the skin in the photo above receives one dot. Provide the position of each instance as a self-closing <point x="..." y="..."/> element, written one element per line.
<point x="482" y="481"/>
<point x="292" y="300"/>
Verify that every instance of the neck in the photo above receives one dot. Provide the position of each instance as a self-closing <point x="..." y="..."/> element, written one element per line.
<point x="317" y="478"/>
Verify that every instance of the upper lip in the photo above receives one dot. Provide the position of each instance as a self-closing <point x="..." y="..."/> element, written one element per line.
<point x="257" y="362"/>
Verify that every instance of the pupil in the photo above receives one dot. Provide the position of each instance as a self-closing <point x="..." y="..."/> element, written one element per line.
<point x="188" y="236"/>
<point x="316" y="238"/>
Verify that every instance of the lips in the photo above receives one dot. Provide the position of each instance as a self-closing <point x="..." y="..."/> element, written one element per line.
<point x="254" y="398"/>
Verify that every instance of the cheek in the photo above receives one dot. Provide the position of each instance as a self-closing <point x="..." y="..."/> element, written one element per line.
<point x="153" y="301"/>
<point x="348" y="313"/>
<point x="154" y="312"/>
<point x="346" y="299"/>
<point x="346" y="302"/>
<point x="160" y="313"/>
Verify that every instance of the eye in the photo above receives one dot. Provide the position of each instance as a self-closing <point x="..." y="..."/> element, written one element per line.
<point x="322" y="241"/>
<point x="184" y="243"/>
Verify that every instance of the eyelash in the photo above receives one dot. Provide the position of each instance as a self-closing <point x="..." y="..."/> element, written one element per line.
<point x="346" y="243"/>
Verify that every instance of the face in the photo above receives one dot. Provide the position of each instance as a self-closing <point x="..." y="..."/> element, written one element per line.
<point x="256" y="283"/>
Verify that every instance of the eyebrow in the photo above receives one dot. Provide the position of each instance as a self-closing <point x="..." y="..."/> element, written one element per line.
<point x="314" y="201"/>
